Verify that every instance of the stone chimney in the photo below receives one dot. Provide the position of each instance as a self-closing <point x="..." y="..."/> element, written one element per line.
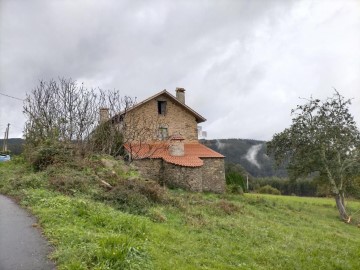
<point x="176" y="148"/>
<point x="104" y="115"/>
<point x="180" y="94"/>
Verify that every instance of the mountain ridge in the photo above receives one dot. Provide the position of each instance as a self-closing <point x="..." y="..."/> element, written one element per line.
<point x="250" y="154"/>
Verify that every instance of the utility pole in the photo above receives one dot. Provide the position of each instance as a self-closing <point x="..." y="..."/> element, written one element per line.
<point x="6" y="137"/>
<point x="4" y="142"/>
<point x="247" y="182"/>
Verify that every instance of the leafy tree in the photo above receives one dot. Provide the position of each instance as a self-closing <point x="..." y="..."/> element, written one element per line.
<point x="235" y="175"/>
<point x="322" y="139"/>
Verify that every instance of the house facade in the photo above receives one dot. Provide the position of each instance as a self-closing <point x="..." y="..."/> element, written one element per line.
<point x="161" y="139"/>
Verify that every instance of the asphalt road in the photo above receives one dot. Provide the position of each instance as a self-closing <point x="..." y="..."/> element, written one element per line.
<point x="22" y="246"/>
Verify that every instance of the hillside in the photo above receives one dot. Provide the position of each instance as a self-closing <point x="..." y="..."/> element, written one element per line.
<point x="183" y="230"/>
<point x="250" y="154"/>
<point x="15" y="145"/>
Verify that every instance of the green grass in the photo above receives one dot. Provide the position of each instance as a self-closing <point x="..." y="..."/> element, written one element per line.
<point x="192" y="231"/>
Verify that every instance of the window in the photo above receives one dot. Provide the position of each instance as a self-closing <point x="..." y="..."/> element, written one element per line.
<point x="161" y="107"/>
<point x="163" y="133"/>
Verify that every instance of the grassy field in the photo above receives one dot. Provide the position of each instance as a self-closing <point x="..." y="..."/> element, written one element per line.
<point x="190" y="231"/>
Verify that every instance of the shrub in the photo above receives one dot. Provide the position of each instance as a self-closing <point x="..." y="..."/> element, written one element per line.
<point x="227" y="207"/>
<point x="234" y="175"/>
<point x="268" y="190"/>
<point x="156" y="215"/>
<point x="136" y="195"/>
<point x="299" y="187"/>
<point x="106" y="139"/>
<point x="71" y="181"/>
<point x="28" y="181"/>
<point x="45" y="155"/>
<point x="235" y="189"/>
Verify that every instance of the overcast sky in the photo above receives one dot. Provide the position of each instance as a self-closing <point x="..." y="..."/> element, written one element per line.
<point x="244" y="64"/>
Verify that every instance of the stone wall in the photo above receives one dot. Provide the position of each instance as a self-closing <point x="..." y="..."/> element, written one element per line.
<point x="209" y="177"/>
<point x="145" y="121"/>
<point x="213" y="174"/>
<point x="188" y="178"/>
<point x="149" y="168"/>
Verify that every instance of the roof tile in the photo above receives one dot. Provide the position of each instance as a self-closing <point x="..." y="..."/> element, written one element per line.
<point x="193" y="153"/>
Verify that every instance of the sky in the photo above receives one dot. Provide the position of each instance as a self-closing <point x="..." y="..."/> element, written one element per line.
<point x="244" y="63"/>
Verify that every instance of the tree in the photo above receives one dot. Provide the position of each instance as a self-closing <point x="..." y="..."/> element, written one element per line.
<point x="60" y="111"/>
<point x="63" y="117"/>
<point x="322" y="139"/>
<point x="235" y="176"/>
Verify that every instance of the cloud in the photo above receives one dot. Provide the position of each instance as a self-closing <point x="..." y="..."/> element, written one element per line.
<point x="252" y="153"/>
<point x="244" y="63"/>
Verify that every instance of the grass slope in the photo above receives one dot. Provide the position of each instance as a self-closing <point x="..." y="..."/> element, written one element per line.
<point x="199" y="231"/>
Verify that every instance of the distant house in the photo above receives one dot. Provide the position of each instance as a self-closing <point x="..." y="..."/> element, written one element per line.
<point x="161" y="138"/>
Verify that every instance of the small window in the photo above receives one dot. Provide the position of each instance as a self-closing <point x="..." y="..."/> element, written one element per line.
<point x="162" y="107"/>
<point x="163" y="133"/>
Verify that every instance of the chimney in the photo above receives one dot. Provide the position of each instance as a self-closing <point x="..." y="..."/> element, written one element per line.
<point x="104" y="115"/>
<point x="180" y="94"/>
<point x="176" y="148"/>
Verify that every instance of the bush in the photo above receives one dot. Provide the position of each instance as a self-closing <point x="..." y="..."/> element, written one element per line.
<point x="71" y="181"/>
<point x="18" y="182"/>
<point x="107" y="139"/>
<point x="235" y="189"/>
<point x="268" y="190"/>
<point x="135" y="195"/>
<point x="45" y="155"/>
<point x="299" y="187"/>
<point x="227" y="207"/>
<point x="235" y="179"/>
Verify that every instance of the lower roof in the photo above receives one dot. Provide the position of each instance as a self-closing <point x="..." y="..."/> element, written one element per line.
<point x="193" y="152"/>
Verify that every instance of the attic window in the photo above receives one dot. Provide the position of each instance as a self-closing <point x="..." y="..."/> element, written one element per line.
<point x="161" y="107"/>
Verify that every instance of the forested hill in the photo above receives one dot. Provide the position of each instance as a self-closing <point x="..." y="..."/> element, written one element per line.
<point x="250" y="154"/>
<point x="15" y="145"/>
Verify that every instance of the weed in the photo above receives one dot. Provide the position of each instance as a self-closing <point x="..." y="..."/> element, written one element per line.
<point x="196" y="220"/>
<point x="227" y="207"/>
<point x="135" y="196"/>
<point x="157" y="215"/>
<point x="70" y="181"/>
<point x="235" y="189"/>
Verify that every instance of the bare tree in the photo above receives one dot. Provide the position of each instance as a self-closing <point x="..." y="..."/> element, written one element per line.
<point x="66" y="113"/>
<point x="60" y="111"/>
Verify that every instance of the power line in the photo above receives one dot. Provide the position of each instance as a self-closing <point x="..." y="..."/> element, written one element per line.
<point x="11" y="96"/>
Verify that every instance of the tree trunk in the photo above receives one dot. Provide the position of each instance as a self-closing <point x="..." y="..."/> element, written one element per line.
<point x="339" y="198"/>
<point x="342" y="196"/>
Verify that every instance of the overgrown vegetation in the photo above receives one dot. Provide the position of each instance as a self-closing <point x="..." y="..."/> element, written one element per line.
<point x="175" y="229"/>
<point x="235" y="176"/>
<point x="63" y="116"/>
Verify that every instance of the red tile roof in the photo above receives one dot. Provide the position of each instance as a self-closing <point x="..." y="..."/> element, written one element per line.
<point x="193" y="153"/>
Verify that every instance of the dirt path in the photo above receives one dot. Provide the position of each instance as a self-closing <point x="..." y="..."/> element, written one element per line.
<point x="22" y="246"/>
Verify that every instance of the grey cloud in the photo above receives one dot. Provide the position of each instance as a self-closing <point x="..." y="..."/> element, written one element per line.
<point x="240" y="61"/>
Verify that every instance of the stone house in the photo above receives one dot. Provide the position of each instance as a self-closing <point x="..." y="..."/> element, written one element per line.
<point x="161" y="139"/>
